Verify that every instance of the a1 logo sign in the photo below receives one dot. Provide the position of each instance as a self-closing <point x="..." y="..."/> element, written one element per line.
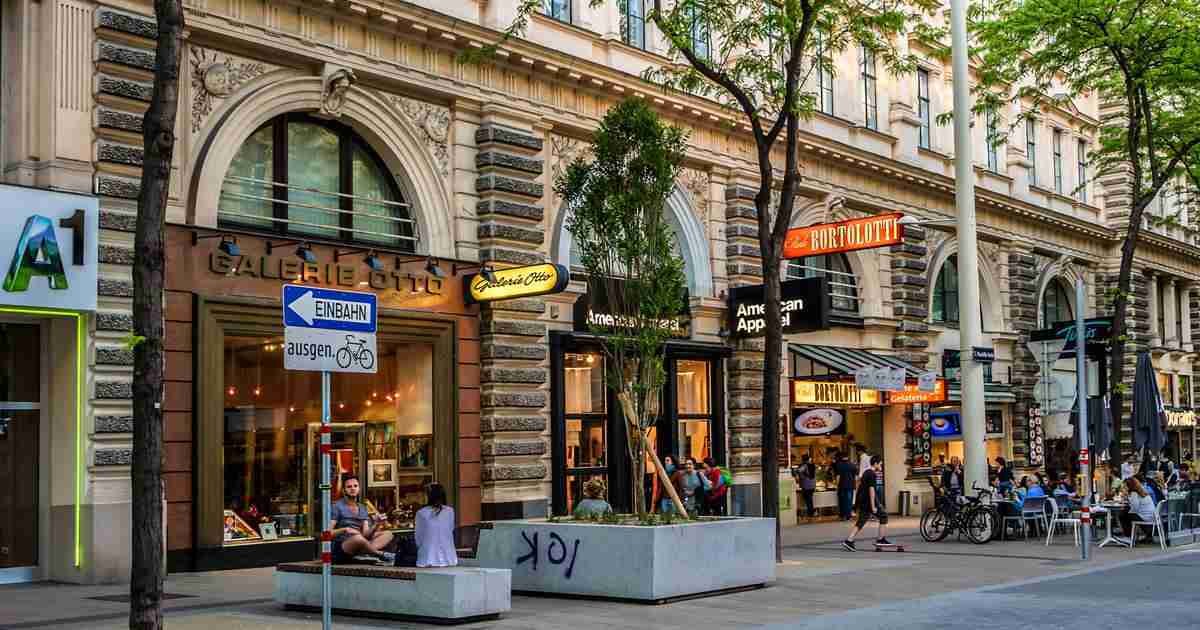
<point x="49" y="241"/>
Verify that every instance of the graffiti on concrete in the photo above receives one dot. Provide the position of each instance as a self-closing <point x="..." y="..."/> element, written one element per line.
<point x="558" y="552"/>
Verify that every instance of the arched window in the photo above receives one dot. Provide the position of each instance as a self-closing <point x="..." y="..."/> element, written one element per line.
<point x="1056" y="304"/>
<point x="679" y="246"/>
<point x="842" y="283"/>
<point x="301" y="176"/>
<point x="945" y="292"/>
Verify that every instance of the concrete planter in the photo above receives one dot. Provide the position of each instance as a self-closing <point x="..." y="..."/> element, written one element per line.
<point x="632" y="562"/>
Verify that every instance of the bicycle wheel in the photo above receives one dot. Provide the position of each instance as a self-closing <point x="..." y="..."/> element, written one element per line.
<point x="344" y="357"/>
<point x="980" y="524"/>
<point x="934" y="525"/>
<point x="366" y="359"/>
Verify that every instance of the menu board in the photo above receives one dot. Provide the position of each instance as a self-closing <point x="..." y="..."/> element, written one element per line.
<point x="920" y="438"/>
<point x="1034" y="435"/>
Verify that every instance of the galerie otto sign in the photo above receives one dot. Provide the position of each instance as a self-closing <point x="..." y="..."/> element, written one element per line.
<point x="49" y="244"/>
<point x="843" y="236"/>
<point x="804" y="305"/>
<point x="329" y="331"/>
<point x="517" y="282"/>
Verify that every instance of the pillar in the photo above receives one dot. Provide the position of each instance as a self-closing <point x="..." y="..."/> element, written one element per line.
<point x="1156" y="336"/>
<point x="1185" y="313"/>
<point x="1170" y="315"/>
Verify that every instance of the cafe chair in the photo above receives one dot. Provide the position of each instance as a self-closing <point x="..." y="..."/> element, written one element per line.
<point x="1191" y="517"/>
<point x="1056" y="520"/>
<point x="1033" y="512"/>
<point x="1156" y="528"/>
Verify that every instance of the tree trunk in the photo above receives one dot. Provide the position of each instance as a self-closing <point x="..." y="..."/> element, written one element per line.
<point x="772" y="372"/>
<point x="1116" y="373"/>
<point x="146" y="575"/>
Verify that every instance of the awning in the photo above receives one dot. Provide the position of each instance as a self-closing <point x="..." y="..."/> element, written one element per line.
<point x="847" y="360"/>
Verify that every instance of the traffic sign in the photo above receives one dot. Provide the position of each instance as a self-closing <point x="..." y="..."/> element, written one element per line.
<point x="329" y="331"/>
<point x="327" y="309"/>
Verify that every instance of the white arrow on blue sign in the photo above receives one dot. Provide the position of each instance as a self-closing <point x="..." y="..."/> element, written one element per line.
<point x="329" y="331"/>
<point x="307" y="307"/>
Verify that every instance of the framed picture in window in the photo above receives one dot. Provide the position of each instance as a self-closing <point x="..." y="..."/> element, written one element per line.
<point x="381" y="473"/>
<point x="268" y="531"/>
<point x="416" y="451"/>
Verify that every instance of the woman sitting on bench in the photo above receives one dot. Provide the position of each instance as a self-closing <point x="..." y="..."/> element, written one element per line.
<point x="354" y="533"/>
<point x="434" y="531"/>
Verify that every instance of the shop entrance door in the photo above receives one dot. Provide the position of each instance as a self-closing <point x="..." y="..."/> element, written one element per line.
<point x="347" y="454"/>
<point x="20" y="419"/>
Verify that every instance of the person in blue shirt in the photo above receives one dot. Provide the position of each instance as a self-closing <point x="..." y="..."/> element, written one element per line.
<point x="1032" y="489"/>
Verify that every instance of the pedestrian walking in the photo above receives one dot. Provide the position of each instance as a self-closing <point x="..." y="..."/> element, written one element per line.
<point x="869" y="502"/>
<point x="806" y="476"/>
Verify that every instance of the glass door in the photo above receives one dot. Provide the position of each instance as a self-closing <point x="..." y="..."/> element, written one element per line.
<point x="20" y="417"/>
<point x="347" y="454"/>
<point x="586" y="418"/>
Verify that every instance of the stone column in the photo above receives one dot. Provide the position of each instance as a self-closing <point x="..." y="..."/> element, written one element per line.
<point x="1022" y="312"/>
<point x="1185" y="313"/>
<point x="1170" y="315"/>
<point x="1152" y="312"/>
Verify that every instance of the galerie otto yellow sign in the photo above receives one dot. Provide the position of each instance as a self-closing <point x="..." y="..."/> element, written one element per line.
<point x="831" y="393"/>
<point x="517" y="282"/>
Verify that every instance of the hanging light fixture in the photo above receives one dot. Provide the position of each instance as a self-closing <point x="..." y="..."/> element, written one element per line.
<point x="432" y="268"/>
<point x="372" y="261"/>
<point x="304" y="252"/>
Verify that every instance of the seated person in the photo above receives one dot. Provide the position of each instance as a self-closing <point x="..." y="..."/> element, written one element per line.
<point x="434" y="531"/>
<point x="593" y="505"/>
<point x="1032" y="488"/>
<point x="354" y="532"/>
<point x="1141" y="506"/>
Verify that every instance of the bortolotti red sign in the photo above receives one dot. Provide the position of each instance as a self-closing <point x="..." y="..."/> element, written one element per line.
<point x="844" y="236"/>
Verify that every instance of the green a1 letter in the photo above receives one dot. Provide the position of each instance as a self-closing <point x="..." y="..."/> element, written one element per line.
<point x="37" y="254"/>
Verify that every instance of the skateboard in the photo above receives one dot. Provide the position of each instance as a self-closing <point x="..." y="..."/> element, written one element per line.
<point x="891" y="547"/>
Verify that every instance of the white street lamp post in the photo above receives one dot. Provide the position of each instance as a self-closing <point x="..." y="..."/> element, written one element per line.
<point x="970" y="327"/>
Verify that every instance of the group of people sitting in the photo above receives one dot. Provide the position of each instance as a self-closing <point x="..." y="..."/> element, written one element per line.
<point x="702" y="486"/>
<point x="358" y="537"/>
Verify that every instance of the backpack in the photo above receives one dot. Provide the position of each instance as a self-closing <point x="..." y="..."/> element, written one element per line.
<point x="726" y="477"/>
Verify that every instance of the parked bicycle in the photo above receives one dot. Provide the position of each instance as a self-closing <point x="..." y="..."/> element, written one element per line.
<point x="959" y="513"/>
<point x="355" y="350"/>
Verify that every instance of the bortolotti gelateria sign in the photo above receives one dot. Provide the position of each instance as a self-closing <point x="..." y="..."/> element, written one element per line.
<point x="803" y="303"/>
<point x="49" y="242"/>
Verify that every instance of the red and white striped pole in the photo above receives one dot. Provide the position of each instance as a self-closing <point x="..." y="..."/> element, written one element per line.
<point x="326" y="533"/>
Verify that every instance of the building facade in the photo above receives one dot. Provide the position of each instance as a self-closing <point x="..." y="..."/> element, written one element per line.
<point x="347" y="145"/>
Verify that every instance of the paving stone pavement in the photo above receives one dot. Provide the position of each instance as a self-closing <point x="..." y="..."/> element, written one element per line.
<point x="817" y="586"/>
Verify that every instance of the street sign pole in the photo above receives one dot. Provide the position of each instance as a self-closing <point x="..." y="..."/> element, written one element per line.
<point x="1081" y="398"/>
<point x="326" y="533"/>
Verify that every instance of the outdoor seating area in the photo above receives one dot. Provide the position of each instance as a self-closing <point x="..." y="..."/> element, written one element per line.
<point x="450" y="595"/>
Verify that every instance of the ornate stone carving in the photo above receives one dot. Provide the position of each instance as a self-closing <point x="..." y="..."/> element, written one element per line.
<point x="564" y="150"/>
<point x="434" y="123"/>
<point x="933" y="241"/>
<point x="334" y="83"/>
<point x="216" y="76"/>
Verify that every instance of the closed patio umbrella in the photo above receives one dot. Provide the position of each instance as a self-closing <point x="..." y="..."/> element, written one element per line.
<point x="1148" y="413"/>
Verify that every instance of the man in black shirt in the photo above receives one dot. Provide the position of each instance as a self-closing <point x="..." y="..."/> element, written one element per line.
<point x="846" y="473"/>
<point x="869" y="502"/>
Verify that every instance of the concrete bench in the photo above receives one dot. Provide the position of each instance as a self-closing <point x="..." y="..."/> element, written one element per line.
<point x="450" y="595"/>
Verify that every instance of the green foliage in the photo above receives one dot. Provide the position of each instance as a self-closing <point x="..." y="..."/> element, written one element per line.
<point x="618" y="222"/>
<point x="131" y="341"/>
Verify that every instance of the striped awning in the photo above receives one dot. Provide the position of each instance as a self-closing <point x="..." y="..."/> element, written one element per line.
<point x="847" y="360"/>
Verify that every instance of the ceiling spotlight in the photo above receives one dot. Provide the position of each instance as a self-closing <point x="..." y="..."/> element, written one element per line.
<point x="305" y="253"/>
<point x="372" y="261"/>
<point x="488" y="274"/>
<point x="229" y="246"/>
<point x="432" y="268"/>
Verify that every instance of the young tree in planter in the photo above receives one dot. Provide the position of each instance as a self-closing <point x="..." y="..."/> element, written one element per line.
<point x="1143" y="56"/>
<point x="758" y="59"/>
<point x="158" y="136"/>
<point x="618" y="226"/>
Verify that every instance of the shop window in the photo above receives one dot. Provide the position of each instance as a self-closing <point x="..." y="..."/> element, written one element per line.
<point x="586" y="418"/>
<point x="382" y="431"/>
<point x="1056" y="304"/>
<point x="1183" y="395"/>
<point x="824" y="72"/>
<point x="692" y="395"/>
<point x="923" y="108"/>
<point x="1164" y="387"/>
<point x="701" y="41"/>
<point x="866" y="68"/>
<point x="842" y="283"/>
<point x="306" y="177"/>
<point x="945" y="292"/>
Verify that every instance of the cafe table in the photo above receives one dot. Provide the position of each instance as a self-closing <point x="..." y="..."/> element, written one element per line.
<point x="1111" y="509"/>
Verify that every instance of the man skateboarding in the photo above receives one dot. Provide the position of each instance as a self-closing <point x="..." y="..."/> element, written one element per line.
<point x="869" y="501"/>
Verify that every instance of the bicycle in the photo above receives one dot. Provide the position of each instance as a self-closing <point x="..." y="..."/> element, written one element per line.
<point x="355" y="350"/>
<point x="964" y="514"/>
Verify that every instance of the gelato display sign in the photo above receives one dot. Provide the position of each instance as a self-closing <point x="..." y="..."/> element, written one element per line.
<point x="804" y="305"/>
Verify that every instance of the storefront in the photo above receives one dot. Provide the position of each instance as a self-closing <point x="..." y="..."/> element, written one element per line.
<point x="48" y="242"/>
<point x="829" y="414"/>
<point x="588" y="431"/>
<point x="255" y="425"/>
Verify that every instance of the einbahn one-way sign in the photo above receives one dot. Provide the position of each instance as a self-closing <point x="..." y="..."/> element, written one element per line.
<point x="329" y="331"/>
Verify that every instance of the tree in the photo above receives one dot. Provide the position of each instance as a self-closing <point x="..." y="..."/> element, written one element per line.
<point x="1142" y="56"/>
<point x="755" y="58"/>
<point x="618" y="202"/>
<point x="158" y="137"/>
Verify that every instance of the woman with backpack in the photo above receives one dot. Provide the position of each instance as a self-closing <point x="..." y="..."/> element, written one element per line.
<point x="690" y="484"/>
<point x="714" y="497"/>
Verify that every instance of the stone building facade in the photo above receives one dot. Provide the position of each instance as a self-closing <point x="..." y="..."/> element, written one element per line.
<point x="473" y="152"/>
